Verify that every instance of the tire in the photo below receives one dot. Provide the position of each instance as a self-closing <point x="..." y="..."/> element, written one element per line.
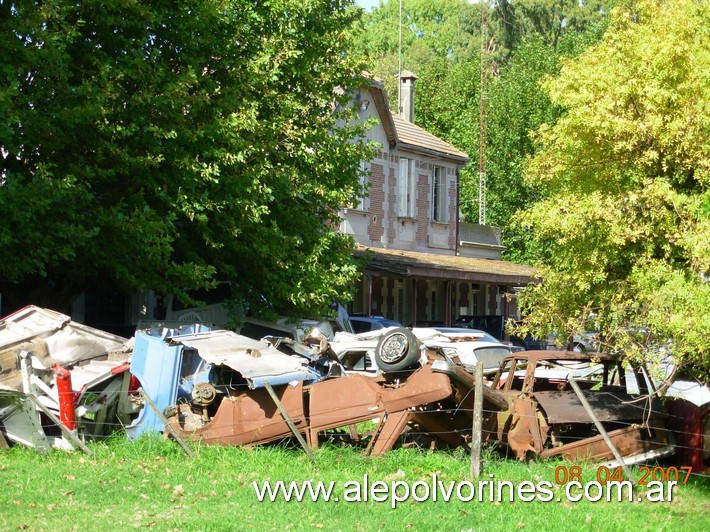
<point x="397" y="350"/>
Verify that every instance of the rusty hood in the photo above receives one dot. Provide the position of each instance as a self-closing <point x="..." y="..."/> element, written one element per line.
<point x="565" y="406"/>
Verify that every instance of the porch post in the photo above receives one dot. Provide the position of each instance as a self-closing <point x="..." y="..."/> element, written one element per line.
<point x="414" y="302"/>
<point x="448" y="285"/>
<point x="368" y="295"/>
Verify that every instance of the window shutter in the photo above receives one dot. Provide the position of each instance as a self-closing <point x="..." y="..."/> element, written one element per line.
<point x="412" y="199"/>
<point x="443" y="195"/>
<point x="402" y="187"/>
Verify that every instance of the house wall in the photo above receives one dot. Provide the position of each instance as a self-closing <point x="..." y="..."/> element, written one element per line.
<point x="378" y="224"/>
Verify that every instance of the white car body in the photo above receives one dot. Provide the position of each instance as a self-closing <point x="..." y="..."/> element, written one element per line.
<point x="357" y="351"/>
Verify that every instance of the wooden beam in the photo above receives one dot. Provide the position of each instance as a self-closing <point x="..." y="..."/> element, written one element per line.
<point x="477" y="428"/>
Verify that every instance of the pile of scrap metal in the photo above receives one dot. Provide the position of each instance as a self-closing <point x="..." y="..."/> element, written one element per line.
<point x="222" y="388"/>
<point x="580" y="406"/>
<point x="60" y="381"/>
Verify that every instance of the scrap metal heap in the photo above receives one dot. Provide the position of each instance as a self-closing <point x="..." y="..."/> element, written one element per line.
<point x="214" y="387"/>
<point x="579" y="407"/>
<point x="59" y="378"/>
<point x="62" y="382"/>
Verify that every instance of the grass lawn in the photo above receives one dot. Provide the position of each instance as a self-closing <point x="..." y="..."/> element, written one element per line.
<point x="152" y="483"/>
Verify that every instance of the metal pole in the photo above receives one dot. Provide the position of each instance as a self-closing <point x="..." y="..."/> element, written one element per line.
<point x="68" y="433"/>
<point x="165" y="421"/>
<point x="399" y="58"/>
<point x="600" y="428"/>
<point x="289" y="421"/>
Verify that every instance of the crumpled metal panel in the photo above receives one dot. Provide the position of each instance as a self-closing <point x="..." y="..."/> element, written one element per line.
<point x="249" y="418"/>
<point x="157" y="366"/>
<point x="32" y="341"/>
<point x="524" y="432"/>
<point x="690" y="425"/>
<point x="51" y="338"/>
<point x="254" y="360"/>
<point x="629" y="441"/>
<point x="20" y="420"/>
<point x="252" y="417"/>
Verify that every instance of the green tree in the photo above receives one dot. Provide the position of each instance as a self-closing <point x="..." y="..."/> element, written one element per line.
<point x="432" y="31"/>
<point x="550" y="19"/>
<point x="168" y="146"/>
<point x="627" y="169"/>
<point x="517" y="106"/>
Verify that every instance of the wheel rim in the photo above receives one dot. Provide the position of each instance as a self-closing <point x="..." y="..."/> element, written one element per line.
<point x="394" y="348"/>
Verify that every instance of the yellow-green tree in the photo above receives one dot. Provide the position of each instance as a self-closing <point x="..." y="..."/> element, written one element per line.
<point x="627" y="168"/>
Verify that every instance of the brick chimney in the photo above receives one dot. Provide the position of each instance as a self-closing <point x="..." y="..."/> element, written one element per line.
<point x="406" y="80"/>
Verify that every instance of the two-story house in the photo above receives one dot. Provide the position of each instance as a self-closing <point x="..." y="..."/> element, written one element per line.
<point x="423" y="264"/>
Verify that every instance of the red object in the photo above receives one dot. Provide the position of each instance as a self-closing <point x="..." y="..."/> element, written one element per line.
<point x="691" y="426"/>
<point x="67" y="414"/>
<point x="121" y="369"/>
<point x="133" y="385"/>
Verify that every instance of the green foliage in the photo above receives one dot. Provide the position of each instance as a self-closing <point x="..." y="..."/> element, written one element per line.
<point x="435" y="33"/>
<point x="517" y="106"/>
<point x="627" y="168"/>
<point x="168" y="146"/>
<point x="549" y="20"/>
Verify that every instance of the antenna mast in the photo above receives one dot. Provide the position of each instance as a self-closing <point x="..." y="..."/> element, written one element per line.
<point x="483" y="100"/>
<point x="399" y="57"/>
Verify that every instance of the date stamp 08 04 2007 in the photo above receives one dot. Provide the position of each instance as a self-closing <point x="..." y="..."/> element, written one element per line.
<point x="604" y="474"/>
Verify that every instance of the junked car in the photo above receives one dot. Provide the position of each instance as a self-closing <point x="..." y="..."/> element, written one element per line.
<point x="468" y="347"/>
<point x="60" y="381"/>
<point x="400" y="347"/>
<point x="223" y="388"/>
<point x="545" y="416"/>
<point x="363" y="324"/>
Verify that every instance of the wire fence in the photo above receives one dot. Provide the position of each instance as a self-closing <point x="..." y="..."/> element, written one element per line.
<point x="451" y="420"/>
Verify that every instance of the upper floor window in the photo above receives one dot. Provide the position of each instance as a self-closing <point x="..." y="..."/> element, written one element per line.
<point x="439" y="189"/>
<point x="406" y="188"/>
<point x="363" y="203"/>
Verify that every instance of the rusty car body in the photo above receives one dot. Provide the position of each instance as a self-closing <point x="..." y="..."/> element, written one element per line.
<point x="545" y="417"/>
<point x="216" y="387"/>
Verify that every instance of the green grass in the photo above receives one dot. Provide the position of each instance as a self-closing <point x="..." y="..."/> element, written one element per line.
<point x="152" y="483"/>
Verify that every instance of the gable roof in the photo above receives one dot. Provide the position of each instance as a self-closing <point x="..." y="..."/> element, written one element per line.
<point x="412" y="137"/>
<point x="403" y="134"/>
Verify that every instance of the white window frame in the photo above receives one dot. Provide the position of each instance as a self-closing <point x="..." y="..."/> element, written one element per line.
<point x="439" y="195"/>
<point x="406" y="188"/>
<point x="363" y="203"/>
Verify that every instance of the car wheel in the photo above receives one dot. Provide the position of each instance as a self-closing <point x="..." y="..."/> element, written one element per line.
<point x="578" y="348"/>
<point x="397" y="350"/>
